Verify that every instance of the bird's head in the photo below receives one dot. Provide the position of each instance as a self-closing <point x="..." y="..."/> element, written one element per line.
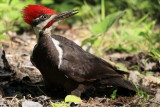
<point x="42" y="18"/>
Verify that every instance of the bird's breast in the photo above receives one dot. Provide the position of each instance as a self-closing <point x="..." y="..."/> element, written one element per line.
<point x="46" y="59"/>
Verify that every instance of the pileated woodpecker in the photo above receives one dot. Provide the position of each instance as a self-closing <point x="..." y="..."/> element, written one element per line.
<point x="62" y="62"/>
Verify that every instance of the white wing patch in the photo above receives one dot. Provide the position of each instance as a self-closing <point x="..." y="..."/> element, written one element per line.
<point x="60" y="51"/>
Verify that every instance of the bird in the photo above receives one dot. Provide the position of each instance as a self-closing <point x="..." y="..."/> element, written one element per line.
<point x="62" y="62"/>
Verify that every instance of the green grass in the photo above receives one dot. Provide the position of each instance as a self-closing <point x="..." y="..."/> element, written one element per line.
<point x="114" y="94"/>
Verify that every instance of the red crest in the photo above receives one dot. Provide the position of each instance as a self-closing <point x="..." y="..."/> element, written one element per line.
<point x="31" y="12"/>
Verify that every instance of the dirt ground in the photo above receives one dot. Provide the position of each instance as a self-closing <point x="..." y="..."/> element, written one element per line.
<point x="21" y="83"/>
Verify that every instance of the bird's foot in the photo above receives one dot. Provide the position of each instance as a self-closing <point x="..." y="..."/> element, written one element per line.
<point x="80" y="89"/>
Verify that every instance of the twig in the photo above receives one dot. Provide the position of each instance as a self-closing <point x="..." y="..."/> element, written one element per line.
<point x="32" y="67"/>
<point x="6" y="75"/>
<point x="13" y="98"/>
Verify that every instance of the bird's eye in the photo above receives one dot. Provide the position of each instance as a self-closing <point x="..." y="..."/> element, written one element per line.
<point x="44" y="17"/>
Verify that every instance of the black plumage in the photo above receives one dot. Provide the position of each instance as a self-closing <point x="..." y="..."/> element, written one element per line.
<point x="77" y="69"/>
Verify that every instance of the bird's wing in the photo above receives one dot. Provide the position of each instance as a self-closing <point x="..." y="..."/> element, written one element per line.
<point x="80" y="65"/>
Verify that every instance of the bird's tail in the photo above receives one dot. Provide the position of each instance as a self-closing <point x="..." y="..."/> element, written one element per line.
<point x="120" y="82"/>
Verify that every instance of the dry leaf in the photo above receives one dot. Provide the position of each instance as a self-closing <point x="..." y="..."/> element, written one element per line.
<point x="150" y="80"/>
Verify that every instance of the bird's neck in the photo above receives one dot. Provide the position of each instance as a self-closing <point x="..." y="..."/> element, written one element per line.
<point x="45" y="32"/>
<point x="37" y="31"/>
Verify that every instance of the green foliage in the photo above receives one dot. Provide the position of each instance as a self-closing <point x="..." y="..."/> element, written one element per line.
<point x="105" y="24"/>
<point x="3" y="37"/>
<point x="127" y="37"/>
<point x="10" y="16"/>
<point x="102" y="10"/>
<point x="68" y="98"/>
<point x="142" y="94"/>
<point x="149" y="73"/>
<point x="133" y="37"/>
<point x="72" y="98"/>
<point x="155" y="53"/>
<point x="143" y="97"/>
<point x="62" y="104"/>
<point x="114" y="94"/>
<point x="101" y="28"/>
<point x="134" y="32"/>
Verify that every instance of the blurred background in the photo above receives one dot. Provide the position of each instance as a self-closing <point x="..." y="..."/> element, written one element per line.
<point x="125" y="26"/>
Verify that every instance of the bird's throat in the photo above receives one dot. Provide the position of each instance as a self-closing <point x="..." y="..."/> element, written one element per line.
<point x="46" y="31"/>
<point x="37" y="31"/>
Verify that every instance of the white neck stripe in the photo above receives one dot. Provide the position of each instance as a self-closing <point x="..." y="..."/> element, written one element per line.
<point x="60" y="51"/>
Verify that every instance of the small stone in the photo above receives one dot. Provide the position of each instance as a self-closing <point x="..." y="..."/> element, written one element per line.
<point x="27" y="103"/>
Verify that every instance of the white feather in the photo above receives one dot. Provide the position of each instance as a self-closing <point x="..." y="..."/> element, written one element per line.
<point x="60" y="51"/>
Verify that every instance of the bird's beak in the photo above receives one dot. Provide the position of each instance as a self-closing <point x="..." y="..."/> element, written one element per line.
<point x="64" y="15"/>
